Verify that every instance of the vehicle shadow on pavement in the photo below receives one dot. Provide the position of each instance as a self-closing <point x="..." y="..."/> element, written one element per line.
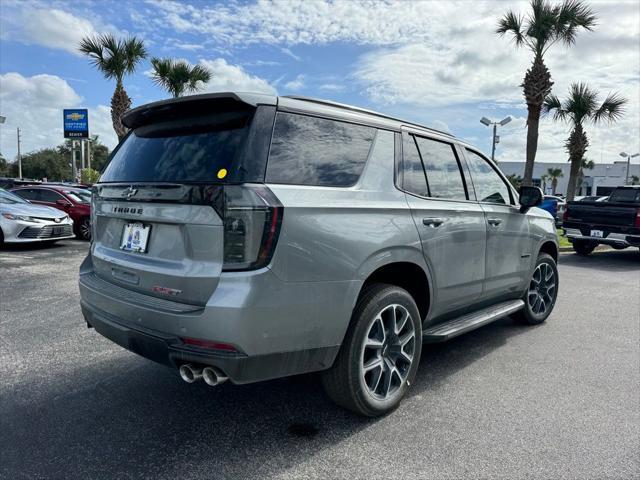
<point x="608" y="260"/>
<point x="128" y="417"/>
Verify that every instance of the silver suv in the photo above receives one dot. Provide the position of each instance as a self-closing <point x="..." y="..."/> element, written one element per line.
<point x="246" y="237"/>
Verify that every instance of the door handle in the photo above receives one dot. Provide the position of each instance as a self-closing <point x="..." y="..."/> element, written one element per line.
<point x="494" y="222"/>
<point x="433" y="221"/>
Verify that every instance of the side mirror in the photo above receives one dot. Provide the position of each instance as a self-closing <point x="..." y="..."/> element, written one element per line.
<point x="63" y="203"/>
<point x="530" y="197"/>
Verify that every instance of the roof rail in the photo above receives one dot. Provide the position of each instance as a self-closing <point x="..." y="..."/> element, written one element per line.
<point x="363" y="110"/>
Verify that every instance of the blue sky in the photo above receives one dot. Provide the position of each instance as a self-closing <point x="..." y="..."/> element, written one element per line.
<point x="433" y="62"/>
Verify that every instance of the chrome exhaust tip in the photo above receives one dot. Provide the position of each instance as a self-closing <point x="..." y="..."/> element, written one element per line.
<point x="214" y="376"/>
<point x="190" y="373"/>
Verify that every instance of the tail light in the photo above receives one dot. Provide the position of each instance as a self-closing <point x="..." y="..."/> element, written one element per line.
<point x="252" y="216"/>
<point x="565" y="215"/>
<point x="637" y="222"/>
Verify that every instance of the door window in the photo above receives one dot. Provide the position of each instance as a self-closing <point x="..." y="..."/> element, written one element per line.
<point x="48" y="196"/>
<point x="413" y="177"/>
<point x="489" y="186"/>
<point x="441" y="165"/>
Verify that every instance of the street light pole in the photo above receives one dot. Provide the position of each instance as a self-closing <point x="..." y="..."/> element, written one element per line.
<point x="496" y="138"/>
<point x="19" y="156"/>
<point x="628" y="157"/>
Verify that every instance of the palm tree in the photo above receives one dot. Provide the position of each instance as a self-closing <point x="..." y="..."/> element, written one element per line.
<point x="554" y="174"/>
<point x="635" y="180"/>
<point x="115" y="58"/>
<point x="586" y="164"/>
<point x="580" y="106"/>
<point x="544" y="26"/>
<point x="177" y="76"/>
<point x="544" y="178"/>
<point x="515" y="180"/>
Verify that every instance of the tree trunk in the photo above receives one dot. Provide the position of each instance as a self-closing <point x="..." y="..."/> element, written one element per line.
<point x="577" y="147"/>
<point x="554" y="185"/>
<point x="536" y="86"/>
<point x="120" y="103"/>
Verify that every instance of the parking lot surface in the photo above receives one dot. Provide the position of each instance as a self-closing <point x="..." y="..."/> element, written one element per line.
<point x="560" y="400"/>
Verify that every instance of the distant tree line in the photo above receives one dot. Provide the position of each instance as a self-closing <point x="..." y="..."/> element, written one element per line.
<point x="54" y="163"/>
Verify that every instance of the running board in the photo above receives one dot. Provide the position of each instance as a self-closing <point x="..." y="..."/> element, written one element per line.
<point x="466" y="323"/>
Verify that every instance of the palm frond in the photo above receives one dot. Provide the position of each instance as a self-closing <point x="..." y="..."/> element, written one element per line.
<point x="177" y="76"/>
<point x="553" y="104"/>
<point x="582" y="102"/>
<point x="511" y="23"/>
<point x="611" y="109"/>
<point x="572" y="15"/>
<point x="134" y="50"/>
<point x="541" y="24"/>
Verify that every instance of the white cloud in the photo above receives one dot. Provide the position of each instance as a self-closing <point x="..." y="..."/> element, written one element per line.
<point x="35" y="105"/>
<point x="55" y="28"/>
<point x="296" y="84"/>
<point x="227" y="77"/>
<point x="332" y="87"/>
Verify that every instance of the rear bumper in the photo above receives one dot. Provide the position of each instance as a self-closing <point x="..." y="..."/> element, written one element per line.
<point x="616" y="239"/>
<point x="240" y="368"/>
<point x="279" y="328"/>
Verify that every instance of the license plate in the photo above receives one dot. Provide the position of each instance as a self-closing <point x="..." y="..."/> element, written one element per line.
<point x="597" y="233"/>
<point x="57" y="231"/>
<point x="135" y="237"/>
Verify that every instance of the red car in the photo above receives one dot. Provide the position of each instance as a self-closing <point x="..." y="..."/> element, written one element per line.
<point x="76" y="202"/>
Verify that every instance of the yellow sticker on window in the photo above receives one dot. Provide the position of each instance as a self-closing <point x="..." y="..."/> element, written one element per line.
<point x="222" y="173"/>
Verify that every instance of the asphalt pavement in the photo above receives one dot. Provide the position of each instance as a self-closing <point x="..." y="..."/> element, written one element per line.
<point x="560" y="400"/>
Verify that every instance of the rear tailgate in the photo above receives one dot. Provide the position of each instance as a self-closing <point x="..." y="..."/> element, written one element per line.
<point x="156" y="216"/>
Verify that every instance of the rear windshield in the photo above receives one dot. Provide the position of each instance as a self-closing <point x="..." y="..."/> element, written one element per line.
<point x="629" y="195"/>
<point x="199" y="149"/>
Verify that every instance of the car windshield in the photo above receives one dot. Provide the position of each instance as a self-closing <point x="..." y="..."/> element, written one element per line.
<point x="79" y="196"/>
<point x="9" y="198"/>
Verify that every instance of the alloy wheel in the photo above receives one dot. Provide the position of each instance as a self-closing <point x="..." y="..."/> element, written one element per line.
<point x="388" y="352"/>
<point x="542" y="289"/>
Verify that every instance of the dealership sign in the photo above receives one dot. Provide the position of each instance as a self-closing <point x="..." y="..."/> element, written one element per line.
<point x="76" y="123"/>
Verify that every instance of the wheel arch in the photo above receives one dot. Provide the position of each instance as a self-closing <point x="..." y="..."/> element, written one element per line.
<point x="549" y="247"/>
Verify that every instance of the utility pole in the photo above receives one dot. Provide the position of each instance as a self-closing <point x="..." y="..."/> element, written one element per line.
<point x="493" y="148"/>
<point x="496" y="139"/>
<point x="89" y="153"/>
<point x="74" y="171"/>
<point x="19" y="156"/>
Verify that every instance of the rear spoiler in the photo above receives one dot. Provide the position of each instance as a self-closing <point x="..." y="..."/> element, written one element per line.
<point x="194" y="105"/>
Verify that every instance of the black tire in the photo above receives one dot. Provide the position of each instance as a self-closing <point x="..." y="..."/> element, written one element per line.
<point x="345" y="381"/>
<point x="83" y="230"/>
<point x="583" y="247"/>
<point x="1" y="238"/>
<point x="531" y="314"/>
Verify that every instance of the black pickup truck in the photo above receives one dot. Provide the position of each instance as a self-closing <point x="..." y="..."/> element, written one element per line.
<point x="615" y="222"/>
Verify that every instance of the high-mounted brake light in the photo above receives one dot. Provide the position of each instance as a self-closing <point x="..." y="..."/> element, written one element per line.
<point x="252" y="217"/>
<point x="637" y="222"/>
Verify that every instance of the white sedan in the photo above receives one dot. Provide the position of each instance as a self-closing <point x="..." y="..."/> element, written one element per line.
<point x="21" y="221"/>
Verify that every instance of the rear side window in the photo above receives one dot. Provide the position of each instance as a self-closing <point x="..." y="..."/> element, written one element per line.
<point x="630" y="195"/>
<point x="444" y="176"/>
<point x="317" y="151"/>
<point x="27" y="193"/>
<point x="489" y="186"/>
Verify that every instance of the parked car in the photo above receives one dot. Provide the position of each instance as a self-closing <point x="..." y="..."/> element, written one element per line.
<point x="22" y="222"/>
<point x="614" y="222"/>
<point x="249" y="237"/>
<point x="555" y="205"/>
<point x="76" y="202"/>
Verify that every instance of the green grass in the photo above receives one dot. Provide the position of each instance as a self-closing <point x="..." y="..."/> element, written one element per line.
<point x="562" y="241"/>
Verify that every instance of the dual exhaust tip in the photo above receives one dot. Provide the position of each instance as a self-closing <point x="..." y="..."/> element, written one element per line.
<point x="211" y="375"/>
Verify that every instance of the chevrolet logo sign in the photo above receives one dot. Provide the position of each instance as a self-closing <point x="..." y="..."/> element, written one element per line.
<point x="75" y="116"/>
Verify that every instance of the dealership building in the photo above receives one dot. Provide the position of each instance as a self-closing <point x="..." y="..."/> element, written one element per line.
<point x="600" y="180"/>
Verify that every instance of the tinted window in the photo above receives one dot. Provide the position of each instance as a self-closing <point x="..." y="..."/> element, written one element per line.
<point x="9" y="198"/>
<point x="316" y="151"/>
<point x="414" y="180"/>
<point x="28" y="193"/>
<point x="630" y="195"/>
<point x="488" y="185"/>
<point x="443" y="171"/>
<point x="50" y="196"/>
<point x="183" y="150"/>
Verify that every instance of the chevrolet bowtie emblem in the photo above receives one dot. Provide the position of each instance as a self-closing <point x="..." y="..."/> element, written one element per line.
<point x="129" y="192"/>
